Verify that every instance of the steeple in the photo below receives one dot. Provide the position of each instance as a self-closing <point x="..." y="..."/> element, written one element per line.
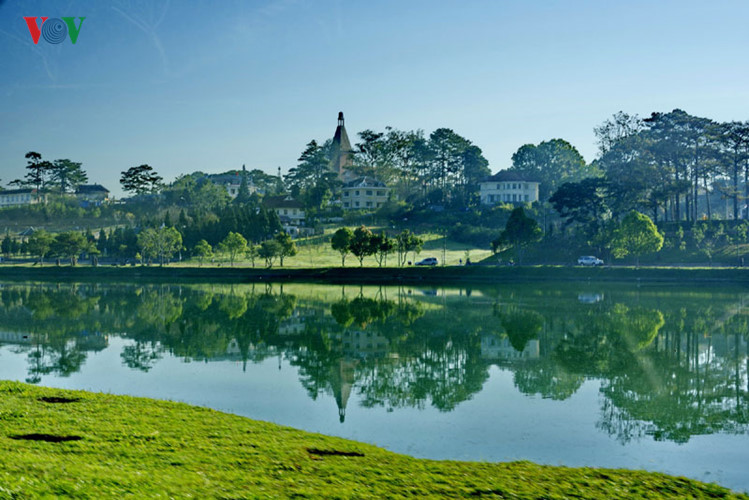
<point x="342" y="152"/>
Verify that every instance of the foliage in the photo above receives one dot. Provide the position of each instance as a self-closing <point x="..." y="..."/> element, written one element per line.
<point x="68" y="175"/>
<point x="340" y="242"/>
<point x="141" y="180"/>
<point x="160" y="243"/>
<point x="69" y="244"/>
<point x="40" y="243"/>
<point x="382" y="246"/>
<point x="406" y="242"/>
<point x="233" y="244"/>
<point x="551" y="163"/>
<point x="361" y="244"/>
<point x="286" y="246"/>
<point x="636" y="235"/>
<point x="269" y="250"/>
<point x="203" y="250"/>
<point x="312" y="181"/>
<point x="519" y="232"/>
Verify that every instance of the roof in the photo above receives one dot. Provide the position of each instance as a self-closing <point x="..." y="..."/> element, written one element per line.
<point x="18" y="191"/>
<point x="282" y="201"/>
<point x="340" y="138"/>
<point x="509" y="175"/>
<point x="91" y="188"/>
<point x="364" y="182"/>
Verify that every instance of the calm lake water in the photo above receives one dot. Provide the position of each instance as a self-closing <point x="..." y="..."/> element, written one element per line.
<point x="573" y="374"/>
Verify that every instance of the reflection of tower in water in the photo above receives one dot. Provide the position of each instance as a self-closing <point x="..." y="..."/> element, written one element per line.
<point x="341" y="381"/>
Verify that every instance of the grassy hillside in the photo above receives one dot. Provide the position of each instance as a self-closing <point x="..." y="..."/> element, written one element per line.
<point x="63" y="443"/>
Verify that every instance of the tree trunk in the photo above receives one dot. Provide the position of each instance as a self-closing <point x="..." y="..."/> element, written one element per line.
<point x="707" y="199"/>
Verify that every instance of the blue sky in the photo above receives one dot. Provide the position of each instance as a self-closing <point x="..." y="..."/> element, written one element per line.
<point x="200" y="85"/>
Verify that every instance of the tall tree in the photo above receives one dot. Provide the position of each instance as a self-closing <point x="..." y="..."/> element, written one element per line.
<point x="620" y="126"/>
<point x="406" y="242"/>
<point x="312" y="181"/>
<point x="40" y="243"/>
<point x="68" y="175"/>
<point x="243" y="195"/>
<point x="233" y="244"/>
<point x="520" y="231"/>
<point x="340" y="242"/>
<point x="162" y="243"/>
<point x="287" y="247"/>
<point x="551" y="163"/>
<point x="269" y="250"/>
<point x="202" y="250"/>
<point x="38" y="172"/>
<point x="583" y="203"/>
<point x="734" y="145"/>
<point x="141" y="180"/>
<point x="361" y="244"/>
<point x="69" y="244"/>
<point x="382" y="246"/>
<point x="636" y="235"/>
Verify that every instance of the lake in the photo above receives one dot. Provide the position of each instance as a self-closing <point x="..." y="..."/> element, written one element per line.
<point x="648" y="378"/>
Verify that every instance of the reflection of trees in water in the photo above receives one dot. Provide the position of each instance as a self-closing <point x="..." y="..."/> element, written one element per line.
<point x="682" y="387"/>
<point x="547" y="378"/>
<point x="444" y="377"/>
<point x="668" y="368"/>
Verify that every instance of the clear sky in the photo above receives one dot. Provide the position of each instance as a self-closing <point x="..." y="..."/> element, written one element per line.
<point x="208" y="85"/>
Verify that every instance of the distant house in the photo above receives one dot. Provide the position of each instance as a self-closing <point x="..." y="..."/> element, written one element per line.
<point x="290" y="212"/>
<point x="232" y="180"/>
<point x="92" y="194"/>
<point x="508" y="187"/>
<point x="26" y="196"/>
<point x="364" y="193"/>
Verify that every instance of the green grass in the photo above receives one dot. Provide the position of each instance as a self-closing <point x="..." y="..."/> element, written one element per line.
<point x="316" y="252"/>
<point x="139" y="448"/>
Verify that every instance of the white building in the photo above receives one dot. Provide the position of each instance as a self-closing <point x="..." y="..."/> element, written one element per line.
<point x="364" y="193"/>
<point x="15" y="197"/>
<point x="508" y="187"/>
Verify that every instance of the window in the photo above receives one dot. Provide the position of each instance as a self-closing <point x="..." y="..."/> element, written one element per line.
<point x="356" y="193"/>
<point x="527" y="198"/>
<point x="345" y="193"/>
<point x="285" y="212"/>
<point x="380" y="193"/>
<point x="369" y="204"/>
<point x="499" y="186"/>
<point x="379" y="205"/>
<point x="514" y="197"/>
<point x="356" y="203"/>
<point x="525" y="186"/>
<point x="369" y="193"/>
<point x="345" y="204"/>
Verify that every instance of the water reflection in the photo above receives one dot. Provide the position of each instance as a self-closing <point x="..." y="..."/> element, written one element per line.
<point x="671" y="364"/>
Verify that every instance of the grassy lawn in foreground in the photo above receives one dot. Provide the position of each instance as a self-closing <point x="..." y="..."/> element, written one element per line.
<point x="69" y="443"/>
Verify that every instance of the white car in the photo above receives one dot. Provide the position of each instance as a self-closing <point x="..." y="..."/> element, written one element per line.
<point x="589" y="260"/>
<point x="429" y="261"/>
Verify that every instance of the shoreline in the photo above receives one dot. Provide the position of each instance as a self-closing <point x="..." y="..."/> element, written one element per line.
<point x="479" y="274"/>
<point x="58" y="442"/>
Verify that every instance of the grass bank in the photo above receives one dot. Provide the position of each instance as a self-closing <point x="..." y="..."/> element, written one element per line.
<point x="70" y="443"/>
<point x="408" y="275"/>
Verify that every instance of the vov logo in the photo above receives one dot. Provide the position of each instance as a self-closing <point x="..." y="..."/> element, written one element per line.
<point x="54" y="30"/>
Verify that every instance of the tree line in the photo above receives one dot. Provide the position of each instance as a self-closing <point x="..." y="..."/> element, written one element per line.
<point x="362" y="242"/>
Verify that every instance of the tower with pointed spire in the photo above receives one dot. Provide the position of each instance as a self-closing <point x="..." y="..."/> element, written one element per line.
<point x="342" y="156"/>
